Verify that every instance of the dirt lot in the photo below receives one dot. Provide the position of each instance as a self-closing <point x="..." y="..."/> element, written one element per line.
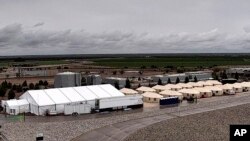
<point x="209" y="126"/>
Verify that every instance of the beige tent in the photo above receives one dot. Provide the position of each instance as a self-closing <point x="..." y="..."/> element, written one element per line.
<point x="226" y="89"/>
<point x="160" y="88"/>
<point x="214" y="82"/>
<point x="195" y="84"/>
<point x="127" y="91"/>
<point x="169" y="93"/>
<point x="190" y="92"/>
<point x="245" y="86"/>
<point x="185" y="85"/>
<point x="204" y="92"/>
<point x="174" y="87"/>
<point x="151" y="97"/>
<point x="144" y="89"/>
<point x="215" y="90"/>
<point x="236" y="87"/>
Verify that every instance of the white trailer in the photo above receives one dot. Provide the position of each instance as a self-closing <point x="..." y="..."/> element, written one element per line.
<point x="120" y="102"/>
<point x="77" y="108"/>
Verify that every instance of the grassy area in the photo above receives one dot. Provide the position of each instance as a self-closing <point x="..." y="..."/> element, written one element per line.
<point x="47" y="62"/>
<point x="173" y="61"/>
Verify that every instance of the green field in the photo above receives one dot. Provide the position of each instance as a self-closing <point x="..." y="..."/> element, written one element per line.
<point x="6" y="63"/>
<point x="172" y="61"/>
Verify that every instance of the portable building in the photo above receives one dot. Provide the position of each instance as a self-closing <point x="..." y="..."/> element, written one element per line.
<point x="160" y="88"/>
<point x="128" y="91"/>
<point x="169" y="93"/>
<point x="174" y="87"/>
<point x="187" y="93"/>
<point x="151" y="97"/>
<point x="16" y="107"/>
<point x="215" y="90"/>
<point x="185" y="85"/>
<point x="204" y="92"/>
<point x="144" y="89"/>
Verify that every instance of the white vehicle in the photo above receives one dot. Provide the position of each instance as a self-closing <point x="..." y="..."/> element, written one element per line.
<point x="120" y="102"/>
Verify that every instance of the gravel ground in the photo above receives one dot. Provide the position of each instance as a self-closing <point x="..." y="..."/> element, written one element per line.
<point x="208" y="126"/>
<point x="67" y="130"/>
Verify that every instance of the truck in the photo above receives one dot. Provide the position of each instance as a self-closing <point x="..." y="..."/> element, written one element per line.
<point x="121" y="102"/>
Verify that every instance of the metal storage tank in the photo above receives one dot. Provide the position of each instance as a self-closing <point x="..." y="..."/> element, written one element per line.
<point x="67" y="79"/>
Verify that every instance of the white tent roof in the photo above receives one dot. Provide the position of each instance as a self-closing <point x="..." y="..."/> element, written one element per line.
<point x="214" y="88"/>
<point x="16" y="103"/>
<point x="40" y="97"/>
<point x="169" y="92"/>
<point x="86" y="93"/>
<point x="184" y="85"/>
<point x="203" y="90"/>
<point x="161" y="87"/>
<point x="99" y="92"/>
<point x="225" y="87"/>
<point x="111" y="90"/>
<point x="71" y="94"/>
<point x="203" y="83"/>
<point x="56" y="96"/>
<point x="152" y="95"/>
<point x="189" y="91"/>
<point x="145" y="89"/>
<point x="245" y="84"/>
<point x="128" y="91"/>
<point x="195" y="84"/>
<point x="214" y="82"/>
<point x="235" y="85"/>
<point x="172" y="86"/>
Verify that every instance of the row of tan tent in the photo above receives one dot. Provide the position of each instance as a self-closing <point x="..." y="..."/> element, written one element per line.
<point x="185" y="90"/>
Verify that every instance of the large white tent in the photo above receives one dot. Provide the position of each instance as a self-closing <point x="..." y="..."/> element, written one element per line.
<point x="58" y="99"/>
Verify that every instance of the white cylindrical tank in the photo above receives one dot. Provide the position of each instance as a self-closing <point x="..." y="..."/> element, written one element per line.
<point x="67" y="79"/>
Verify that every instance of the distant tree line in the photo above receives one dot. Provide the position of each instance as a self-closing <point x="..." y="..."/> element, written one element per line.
<point x="12" y="89"/>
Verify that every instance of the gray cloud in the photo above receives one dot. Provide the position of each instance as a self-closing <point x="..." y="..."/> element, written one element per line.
<point x="39" y="24"/>
<point x="15" y="39"/>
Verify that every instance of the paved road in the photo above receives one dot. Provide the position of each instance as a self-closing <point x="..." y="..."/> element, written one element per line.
<point x="120" y="131"/>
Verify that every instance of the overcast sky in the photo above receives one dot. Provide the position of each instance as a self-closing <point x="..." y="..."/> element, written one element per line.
<point x="30" y="27"/>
